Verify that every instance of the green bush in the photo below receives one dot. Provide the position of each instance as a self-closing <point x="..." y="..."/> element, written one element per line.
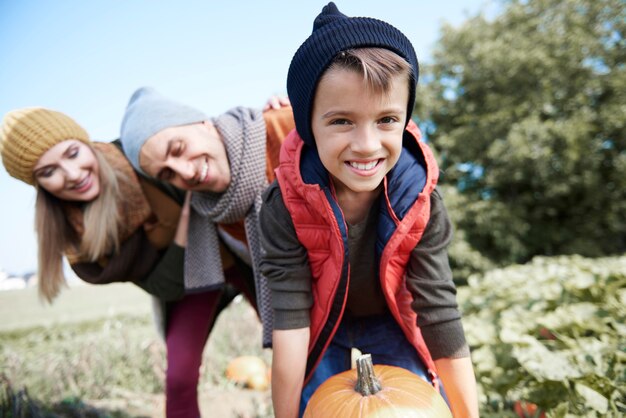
<point x="464" y="259"/>
<point x="551" y="332"/>
<point x="526" y="110"/>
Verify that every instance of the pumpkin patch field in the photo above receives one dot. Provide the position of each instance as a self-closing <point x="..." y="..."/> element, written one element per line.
<point x="96" y="354"/>
<point x="548" y="340"/>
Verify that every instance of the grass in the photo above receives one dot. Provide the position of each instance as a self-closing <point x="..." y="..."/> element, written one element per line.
<point x="21" y="309"/>
<point x="96" y="353"/>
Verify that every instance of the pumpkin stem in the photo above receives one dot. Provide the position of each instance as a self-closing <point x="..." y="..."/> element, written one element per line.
<point x="367" y="383"/>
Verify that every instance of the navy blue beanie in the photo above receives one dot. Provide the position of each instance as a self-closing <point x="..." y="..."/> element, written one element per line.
<point x="334" y="32"/>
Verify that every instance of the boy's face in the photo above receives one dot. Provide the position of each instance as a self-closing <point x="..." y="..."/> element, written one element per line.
<point x="191" y="157"/>
<point x="358" y="132"/>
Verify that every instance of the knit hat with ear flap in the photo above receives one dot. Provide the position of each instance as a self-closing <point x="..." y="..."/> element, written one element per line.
<point x="26" y="134"/>
<point x="148" y="112"/>
<point x="334" y="32"/>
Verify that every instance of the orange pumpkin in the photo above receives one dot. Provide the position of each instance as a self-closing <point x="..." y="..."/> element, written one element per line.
<point x="249" y="371"/>
<point x="376" y="391"/>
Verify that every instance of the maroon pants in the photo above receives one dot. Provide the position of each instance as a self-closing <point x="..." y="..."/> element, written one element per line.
<point x="189" y="323"/>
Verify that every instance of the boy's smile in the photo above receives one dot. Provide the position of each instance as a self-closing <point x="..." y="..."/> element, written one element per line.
<point x="358" y="131"/>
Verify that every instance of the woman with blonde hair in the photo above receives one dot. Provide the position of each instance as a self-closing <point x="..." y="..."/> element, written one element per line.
<point x="115" y="225"/>
<point x="226" y="162"/>
<point x="93" y="208"/>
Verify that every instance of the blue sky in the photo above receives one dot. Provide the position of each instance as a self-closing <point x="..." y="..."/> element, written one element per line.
<point x="85" y="58"/>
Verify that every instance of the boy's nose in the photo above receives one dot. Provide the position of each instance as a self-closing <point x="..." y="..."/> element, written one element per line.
<point x="366" y="140"/>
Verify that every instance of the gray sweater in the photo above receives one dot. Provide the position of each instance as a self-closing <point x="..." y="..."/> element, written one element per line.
<point x="285" y="264"/>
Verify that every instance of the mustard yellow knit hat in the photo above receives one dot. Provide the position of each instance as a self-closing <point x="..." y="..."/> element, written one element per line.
<point x="26" y="134"/>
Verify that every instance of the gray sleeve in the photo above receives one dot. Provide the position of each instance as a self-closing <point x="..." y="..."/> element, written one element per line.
<point x="284" y="263"/>
<point x="429" y="279"/>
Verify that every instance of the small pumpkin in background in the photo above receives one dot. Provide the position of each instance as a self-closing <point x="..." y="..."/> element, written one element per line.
<point x="528" y="410"/>
<point x="249" y="371"/>
<point x="376" y="391"/>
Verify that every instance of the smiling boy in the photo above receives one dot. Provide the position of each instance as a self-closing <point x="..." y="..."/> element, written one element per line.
<point x="354" y="230"/>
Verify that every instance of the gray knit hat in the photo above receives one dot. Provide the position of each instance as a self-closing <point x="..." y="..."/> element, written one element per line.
<point x="148" y="113"/>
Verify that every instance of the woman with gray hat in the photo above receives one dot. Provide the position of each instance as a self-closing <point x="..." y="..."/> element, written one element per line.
<point x="226" y="162"/>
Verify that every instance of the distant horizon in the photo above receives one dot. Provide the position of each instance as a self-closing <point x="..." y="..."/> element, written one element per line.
<point x="86" y="58"/>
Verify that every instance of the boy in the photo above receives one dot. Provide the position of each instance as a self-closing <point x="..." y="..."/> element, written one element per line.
<point x="354" y="231"/>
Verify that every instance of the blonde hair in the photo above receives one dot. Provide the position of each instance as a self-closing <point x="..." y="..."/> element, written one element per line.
<point x="378" y="66"/>
<point x="55" y="235"/>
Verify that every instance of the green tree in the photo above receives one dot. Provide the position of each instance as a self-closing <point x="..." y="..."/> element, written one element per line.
<point x="527" y="112"/>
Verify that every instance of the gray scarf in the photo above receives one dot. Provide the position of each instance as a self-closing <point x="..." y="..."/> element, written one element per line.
<point x="243" y="132"/>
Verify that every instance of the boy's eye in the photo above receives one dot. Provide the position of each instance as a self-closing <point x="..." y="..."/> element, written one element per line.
<point x="339" y="122"/>
<point x="388" y="119"/>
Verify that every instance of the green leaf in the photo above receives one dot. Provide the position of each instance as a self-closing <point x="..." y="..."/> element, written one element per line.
<point x="592" y="398"/>
<point x="560" y="411"/>
<point x="544" y="364"/>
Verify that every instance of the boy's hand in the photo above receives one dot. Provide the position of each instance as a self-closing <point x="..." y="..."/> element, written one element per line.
<point x="180" y="238"/>
<point x="457" y="375"/>
<point x="276" y="102"/>
<point x="288" y="368"/>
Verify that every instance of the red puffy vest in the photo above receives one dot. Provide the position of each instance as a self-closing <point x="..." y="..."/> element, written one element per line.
<point x="320" y="228"/>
